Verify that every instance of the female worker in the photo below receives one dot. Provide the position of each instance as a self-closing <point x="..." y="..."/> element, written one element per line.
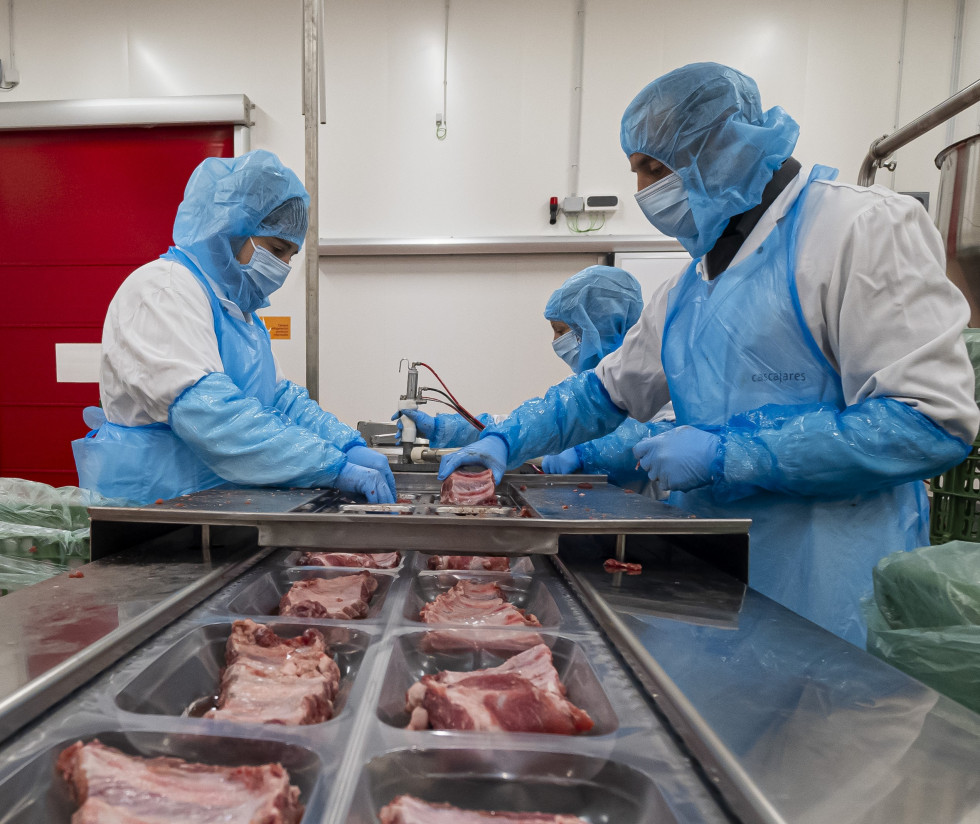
<point x="590" y="313"/>
<point x="811" y="350"/>
<point x="192" y="396"/>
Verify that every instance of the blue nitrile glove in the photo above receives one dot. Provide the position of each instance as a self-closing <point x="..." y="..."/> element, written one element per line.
<point x="424" y="423"/>
<point x="369" y="482"/>
<point x="490" y="452"/>
<point x="369" y="459"/>
<point x="564" y="463"/>
<point x="680" y="459"/>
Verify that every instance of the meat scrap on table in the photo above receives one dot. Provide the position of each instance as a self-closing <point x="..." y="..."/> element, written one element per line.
<point x="111" y="786"/>
<point x="346" y="596"/>
<point x="406" y="809"/>
<point x="524" y="694"/>
<point x="469" y="489"/>
<point x="612" y="565"/>
<point x="273" y="680"/>
<point x="365" y="560"/>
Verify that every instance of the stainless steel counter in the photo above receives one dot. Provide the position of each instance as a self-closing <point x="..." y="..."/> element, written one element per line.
<point x="792" y="723"/>
<point x="764" y="717"/>
<point x="61" y="632"/>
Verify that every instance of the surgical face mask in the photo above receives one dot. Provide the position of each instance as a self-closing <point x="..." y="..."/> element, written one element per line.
<point x="567" y="348"/>
<point x="265" y="272"/>
<point x="665" y="205"/>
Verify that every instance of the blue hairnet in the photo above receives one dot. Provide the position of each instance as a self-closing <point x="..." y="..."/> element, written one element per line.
<point x="229" y="199"/>
<point x="705" y="122"/>
<point x="599" y="304"/>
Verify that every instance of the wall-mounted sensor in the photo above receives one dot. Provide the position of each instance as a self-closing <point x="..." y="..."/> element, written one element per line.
<point x="601" y="203"/>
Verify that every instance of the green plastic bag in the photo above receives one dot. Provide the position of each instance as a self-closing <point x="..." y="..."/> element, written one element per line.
<point x="17" y="573"/>
<point x="38" y="521"/>
<point x="924" y="618"/>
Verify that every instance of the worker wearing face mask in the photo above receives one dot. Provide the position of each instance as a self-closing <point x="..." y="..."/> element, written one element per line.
<point x="192" y="396"/>
<point x="590" y="314"/>
<point x="811" y="350"/>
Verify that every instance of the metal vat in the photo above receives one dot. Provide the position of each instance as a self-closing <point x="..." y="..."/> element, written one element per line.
<point x="958" y="217"/>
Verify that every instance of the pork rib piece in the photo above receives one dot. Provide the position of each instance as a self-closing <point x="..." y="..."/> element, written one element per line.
<point x="488" y="563"/>
<point x="343" y="597"/>
<point x="472" y="603"/>
<point x="365" y="560"/>
<point x="469" y="489"/>
<point x="406" y="809"/>
<point x="523" y="694"/>
<point x="475" y="602"/>
<point x="115" y="788"/>
<point x="273" y="680"/>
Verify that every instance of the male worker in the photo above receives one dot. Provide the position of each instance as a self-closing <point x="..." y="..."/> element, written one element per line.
<point x="811" y="350"/>
<point x="192" y="396"/>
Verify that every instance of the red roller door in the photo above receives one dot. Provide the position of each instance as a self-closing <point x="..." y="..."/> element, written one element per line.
<point x="79" y="210"/>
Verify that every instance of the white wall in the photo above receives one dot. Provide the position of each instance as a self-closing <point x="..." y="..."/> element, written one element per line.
<point x="833" y="65"/>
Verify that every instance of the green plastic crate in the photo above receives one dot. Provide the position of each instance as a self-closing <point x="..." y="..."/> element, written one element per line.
<point x="955" y="511"/>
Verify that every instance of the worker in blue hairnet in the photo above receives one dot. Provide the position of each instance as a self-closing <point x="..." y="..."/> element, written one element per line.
<point x="811" y="349"/>
<point x="192" y="396"/>
<point x="590" y="314"/>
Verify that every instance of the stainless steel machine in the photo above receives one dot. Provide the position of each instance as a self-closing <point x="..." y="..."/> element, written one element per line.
<point x="711" y="703"/>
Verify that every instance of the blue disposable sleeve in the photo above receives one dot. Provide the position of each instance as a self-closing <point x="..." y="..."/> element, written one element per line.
<point x="453" y="430"/>
<point x="576" y="410"/>
<point x="612" y="454"/>
<point x="819" y="450"/>
<point x="295" y="403"/>
<point x="247" y="443"/>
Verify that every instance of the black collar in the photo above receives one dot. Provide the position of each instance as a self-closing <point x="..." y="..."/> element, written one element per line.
<point x="739" y="227"/>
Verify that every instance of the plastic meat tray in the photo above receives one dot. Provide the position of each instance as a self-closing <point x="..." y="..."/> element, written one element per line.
<point x="628" y="769"/>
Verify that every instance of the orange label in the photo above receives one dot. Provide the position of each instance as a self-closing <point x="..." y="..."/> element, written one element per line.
<point x="279" y="328"/>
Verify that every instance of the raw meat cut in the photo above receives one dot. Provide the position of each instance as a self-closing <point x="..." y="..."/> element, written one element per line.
<point x="365" y="560"/>
<point x="488" y="563"/>
<point x="612" y="565"/>
<point x="343" y="597"/>
<point x="475" y="602"/>
<point x="406" y="809"/>
<point x="273" y="680"/>
<point x="524" y="694"/>
<point x="115" y="788"/>
<point x="472" y="603"/>
<point x="469" y="489"/>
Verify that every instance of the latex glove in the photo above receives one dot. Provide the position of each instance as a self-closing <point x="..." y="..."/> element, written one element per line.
<point x="564" y="463"/>
<point x="490" y="452"/>
<point x="369" y="459"/>
<point x="425" y="424"/>
<point x="369" y="482"/>
<point x="680" y="459"/>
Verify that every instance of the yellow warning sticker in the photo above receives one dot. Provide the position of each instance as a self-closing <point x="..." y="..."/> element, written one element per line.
<point x="279" y="328"/>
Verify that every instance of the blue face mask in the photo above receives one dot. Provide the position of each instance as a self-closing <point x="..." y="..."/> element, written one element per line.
<point x="665" y="205"/>
<point x="567" y="348"/>
<point x="265" y="272"/>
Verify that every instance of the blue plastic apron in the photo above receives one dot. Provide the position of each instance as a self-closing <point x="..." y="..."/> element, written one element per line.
<point x="739" y="342"/>
<point x="144" y="463"/>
